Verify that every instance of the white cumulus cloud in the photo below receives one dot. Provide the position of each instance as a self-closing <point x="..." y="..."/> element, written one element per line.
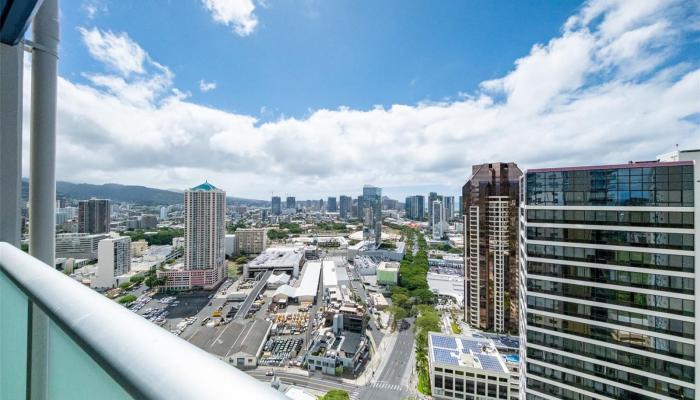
<point x="117" y="51"/>
<point x="607" y="89"/>
<point x="236" y="13"/>
<point x="206" y="86"/>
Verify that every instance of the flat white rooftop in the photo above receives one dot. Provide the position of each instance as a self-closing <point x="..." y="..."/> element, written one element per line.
<point x="278" y="257"/>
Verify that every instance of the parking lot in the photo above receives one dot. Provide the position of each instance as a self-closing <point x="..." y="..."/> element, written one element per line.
<point x="282" y="352"/>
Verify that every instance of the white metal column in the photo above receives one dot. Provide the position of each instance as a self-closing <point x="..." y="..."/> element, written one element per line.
<point x="42" y="177"/>
<point x="11" y="64"/>
<point x="42" y="145"/>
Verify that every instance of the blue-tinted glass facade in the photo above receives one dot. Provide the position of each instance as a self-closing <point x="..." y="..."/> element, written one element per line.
<point x="666" y="186"/>
<point x="609" y="285"/>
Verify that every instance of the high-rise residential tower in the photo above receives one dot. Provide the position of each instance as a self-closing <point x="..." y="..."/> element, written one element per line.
<point x="94" y="216"/>
<point x="205" y="230"/>
<point x="490" y="207"/>
<point x="371" y="214"/>
<point x="437" y="210"/>
<point x="291" y="203"/>
<point x="345" y="206"/>
<point x="609" y="272"/>
<point x="332" y="205"/>
<point x="432" y="196"/>
<point x="448" y="202"/>
<point x="276" y="205"/>
<point x="415" y="207"/>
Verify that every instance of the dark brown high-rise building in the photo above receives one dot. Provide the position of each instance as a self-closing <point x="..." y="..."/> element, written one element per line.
<point x="490" y="204"/>
<point x="94" y="216"/>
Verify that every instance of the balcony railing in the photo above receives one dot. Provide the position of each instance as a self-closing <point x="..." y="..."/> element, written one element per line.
<point x="60" y="339"/>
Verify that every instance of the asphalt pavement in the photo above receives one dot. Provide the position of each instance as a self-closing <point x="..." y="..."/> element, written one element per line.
<point x="389" y="386"/>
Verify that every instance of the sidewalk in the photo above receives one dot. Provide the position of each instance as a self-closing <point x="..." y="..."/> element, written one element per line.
<point x="376" y="365"/>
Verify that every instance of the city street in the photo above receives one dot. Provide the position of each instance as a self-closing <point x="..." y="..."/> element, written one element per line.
<point x="390" y="384"/>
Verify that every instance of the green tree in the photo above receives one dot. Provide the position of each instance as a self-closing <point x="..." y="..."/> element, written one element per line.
<point x="400" y="300"/>
<point x="242" y="260"/>
<point x="336" y="394"/>
<point x="398" y="313"/>
<point x="423" y="295"/>
<point x="129" y="298"/>
<point x="276" y="234"/>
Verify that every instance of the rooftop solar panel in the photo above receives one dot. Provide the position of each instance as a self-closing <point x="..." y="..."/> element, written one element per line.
<point x="473" y="345"/>
<point x="445" y="357"/>
<point x="490" y="363"/>
<point x="445" y="342"/>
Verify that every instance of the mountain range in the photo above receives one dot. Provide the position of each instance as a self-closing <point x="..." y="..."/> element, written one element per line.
<point x="128" y="194"/>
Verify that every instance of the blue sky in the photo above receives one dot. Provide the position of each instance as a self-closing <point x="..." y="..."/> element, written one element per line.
<point x="324" y="54"/>
<point x="317" y="98"/>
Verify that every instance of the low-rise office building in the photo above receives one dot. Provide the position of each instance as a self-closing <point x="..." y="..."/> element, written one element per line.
<point x="78" y="245"/>
<point x="471" y="368"/>
<point x="388" y="273"/>
<point x="252" y="241"/>
<point x="332" y="352"/>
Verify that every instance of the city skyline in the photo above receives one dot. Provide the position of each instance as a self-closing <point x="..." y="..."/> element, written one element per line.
<point x="307" y="244"/>
<point x="596" y="56"/>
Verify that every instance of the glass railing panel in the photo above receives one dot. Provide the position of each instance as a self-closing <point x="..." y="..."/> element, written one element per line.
<point x="73" y="374"/>
<point x="14" y="309"/>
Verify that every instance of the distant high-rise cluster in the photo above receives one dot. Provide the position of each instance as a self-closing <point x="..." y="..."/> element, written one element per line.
<point x="94" y="216"/>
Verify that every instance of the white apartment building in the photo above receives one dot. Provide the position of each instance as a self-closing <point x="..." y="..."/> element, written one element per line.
<point x="113" y="259"/>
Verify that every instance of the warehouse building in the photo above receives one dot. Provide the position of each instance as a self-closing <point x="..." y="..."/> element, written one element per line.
<point x="306" y="289"/>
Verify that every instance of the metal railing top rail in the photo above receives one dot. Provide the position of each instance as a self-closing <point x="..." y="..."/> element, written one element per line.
<point x="147" y="361"/>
